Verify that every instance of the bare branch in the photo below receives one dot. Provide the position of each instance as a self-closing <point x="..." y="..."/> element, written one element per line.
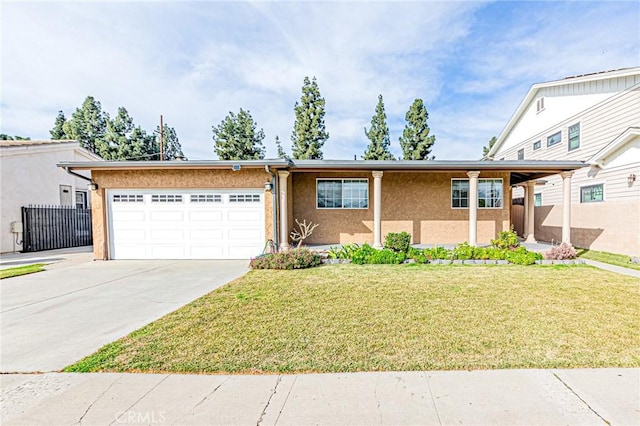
<point x="304" y="232"/>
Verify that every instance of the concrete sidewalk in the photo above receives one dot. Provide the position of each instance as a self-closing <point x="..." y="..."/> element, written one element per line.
<point x="532" y="397"/>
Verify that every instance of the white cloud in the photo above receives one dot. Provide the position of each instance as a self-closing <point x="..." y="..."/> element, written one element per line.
<point x="195" y="61"/>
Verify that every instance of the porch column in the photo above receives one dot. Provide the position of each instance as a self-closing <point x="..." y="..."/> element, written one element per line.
<point x="473" y="207"/>
<point x="530" y="206"/>
<point x="525" y="221"/>
<point x="284" y="211"/>
<point x="377" y="208"/>
<point x="566" y="206"/>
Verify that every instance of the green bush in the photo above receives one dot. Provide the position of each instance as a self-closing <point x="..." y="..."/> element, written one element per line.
<point x="417" y="255"/>
<point x="397" y="241"/>
<point x="464" y="251"/>
<point x="437" y="252"/>
<point x="522" y="256"/>
<point x="361" y="255"/>
<point x="298" y="258"/>
<point x="386" y="257"/>
<point x="506" y="240"/>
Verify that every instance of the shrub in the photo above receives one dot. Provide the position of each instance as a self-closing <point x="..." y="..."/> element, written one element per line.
<point x="397" y="241"/>
<point x="437" y="252"/>
<point x="506" y="240"/>
<point x="562" y="252"/>
<point x="386" y="257"/>
<point x="298" y="258"/>
<point x="464" y="251"/>
<point x="417" y="255"/>
<point x="494" y="253"/>
<point x="361" y="255"/>
<point x="522" y="256"/>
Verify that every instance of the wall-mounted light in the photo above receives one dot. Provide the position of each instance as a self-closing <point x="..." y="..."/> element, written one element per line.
<point x="236" y="167"/>
<point x="92" y="186"/>
<point x="267" y="186"/>
<point x="631" y="178"/>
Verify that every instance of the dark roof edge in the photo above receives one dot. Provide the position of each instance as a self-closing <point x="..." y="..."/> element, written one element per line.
<point x="175" y="164"/>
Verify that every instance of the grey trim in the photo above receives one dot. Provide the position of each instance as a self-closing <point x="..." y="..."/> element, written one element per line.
<point x="176" y="164"/>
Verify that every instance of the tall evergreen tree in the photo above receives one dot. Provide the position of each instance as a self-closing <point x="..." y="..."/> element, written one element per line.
<point x="378" y="134"/>
<point x="5" y="137"/>
<point x="170" y="142"/>
<point x="415" y="141"/>
<point x="88" y="125"/>
<point x="309" y="132"/>
<point x="486" y="149"/>
<point x="116" y="137"/>
<point x="58" y="132"/>
<point x="281" y="151"/>
<point x="236" y="138"/>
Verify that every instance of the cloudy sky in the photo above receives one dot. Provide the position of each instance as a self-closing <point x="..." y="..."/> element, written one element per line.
<point x="193" y="62"/>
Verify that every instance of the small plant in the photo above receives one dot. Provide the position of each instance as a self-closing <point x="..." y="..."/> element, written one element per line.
<point x="304" y="232"/>
<point x="361" y="255"/>
<point x="437" y="253"/>
<point x="506" y="240"/>
<point x="386" y="257"/>
<point x="397" y="241"/>
<point x="464" y="251"/>
<point x="417" y="255"/>
<point x="522" y="256"/>
<point x="564" y="251"/>
<point x="299" y="258"/>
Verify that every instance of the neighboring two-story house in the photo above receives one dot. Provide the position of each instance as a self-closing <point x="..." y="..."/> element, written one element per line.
<point x="593" y="118"/>
<point x="29" y="175"/>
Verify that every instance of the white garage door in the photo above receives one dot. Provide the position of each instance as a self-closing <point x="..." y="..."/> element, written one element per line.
<point x="185" y="224"/>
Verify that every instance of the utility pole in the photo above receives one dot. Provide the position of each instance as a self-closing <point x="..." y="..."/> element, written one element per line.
<point x="161" y="139"/>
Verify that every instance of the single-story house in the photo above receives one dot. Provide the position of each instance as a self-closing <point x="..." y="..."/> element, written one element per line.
<point x="230" y="209"/>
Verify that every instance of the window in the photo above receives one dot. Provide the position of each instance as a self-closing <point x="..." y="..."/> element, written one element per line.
<point x="81" y="200"/>
<point x="537" y="199"/>
<point x="489" y="193"/>
<point x="537" y="145"/>
<point x="206" y="198"/>
<point x="574" y="137"/>
<point x="166" y="198"/>
<point x="459" y="193"/>
<point x="128" y="198"/>
<point x="554" y="139"/>
<point x="539" y="104"/>
<point x="592" y="193"/>
<point x="244" y="198"/>
<point x="521" y="154"/>
<point x="342" y="194"/>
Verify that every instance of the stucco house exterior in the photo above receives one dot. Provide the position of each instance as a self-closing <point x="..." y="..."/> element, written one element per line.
<point x="593" y="118"/>
<point x="230" y="209"/>
<point x="29" y="175"/>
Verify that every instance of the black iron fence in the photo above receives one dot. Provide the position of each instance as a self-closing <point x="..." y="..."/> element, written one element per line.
<point x="54" y="227"/>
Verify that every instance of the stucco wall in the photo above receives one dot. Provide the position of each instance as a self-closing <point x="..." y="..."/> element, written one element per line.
<point x="417" y="202"/>
<point x="29" y="175"/>
<point x="184" y="179"/>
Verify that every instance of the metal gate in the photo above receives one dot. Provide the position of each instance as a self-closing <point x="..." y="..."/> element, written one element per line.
<point x="54" y="227"/>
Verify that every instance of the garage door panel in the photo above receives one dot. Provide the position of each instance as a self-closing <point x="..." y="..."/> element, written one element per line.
<point x="186" y="224"/>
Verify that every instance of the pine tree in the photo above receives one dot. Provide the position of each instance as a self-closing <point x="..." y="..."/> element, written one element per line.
<point x="415" y="140"/>
<point x="309" y="132"/>
<point x="88" y="125"/>
<point x="236" y="138"/>
<point x="116" y="141"/>
<point x="281" y="151"/>
<point x="58" y="133"/>
<point x="170" y="142"/>
<point x="486" y="149"/>
<point x="378" y="134"/>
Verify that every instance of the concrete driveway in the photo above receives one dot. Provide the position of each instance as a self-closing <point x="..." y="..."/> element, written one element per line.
<point x="51" y="319"/>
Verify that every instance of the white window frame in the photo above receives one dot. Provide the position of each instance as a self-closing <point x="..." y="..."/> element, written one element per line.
<point x="569" y="136"/>
<point x="501" y="194"/>
<point x="85" y="201"/>
<point x="555" y="143"/>
<point x="520" y="154"/>
<point x="537" y="194"/>
<point x="540" y="104"/>
<point x="342" y="181"/>
<point x="536" y="145"/>
<point x="461" y="198"/>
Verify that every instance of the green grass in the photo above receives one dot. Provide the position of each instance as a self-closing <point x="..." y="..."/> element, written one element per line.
<point x="610" y="258"/>
<point x="21" y="270"/>
<point x="342" y="318"/>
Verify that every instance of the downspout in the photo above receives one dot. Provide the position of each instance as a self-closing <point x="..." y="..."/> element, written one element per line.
<point x="71" y="172"/>
<point x="274" y="192"/>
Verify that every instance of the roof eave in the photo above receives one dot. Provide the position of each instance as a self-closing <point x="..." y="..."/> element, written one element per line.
<point x="175" y="164"/>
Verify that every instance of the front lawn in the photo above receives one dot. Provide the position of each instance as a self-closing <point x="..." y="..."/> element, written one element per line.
<point x="21" y="270"/>
<point x="342" y="318"/>
<point x="610" y="258"/>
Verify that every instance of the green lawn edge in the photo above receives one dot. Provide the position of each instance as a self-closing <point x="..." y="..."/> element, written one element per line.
<point x="21" y="270"/>
<point x="610" y="258"/>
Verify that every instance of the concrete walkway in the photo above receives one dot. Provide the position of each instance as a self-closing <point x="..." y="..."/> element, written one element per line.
<point x="498" y="397"/>
<point x="613" y="268"/>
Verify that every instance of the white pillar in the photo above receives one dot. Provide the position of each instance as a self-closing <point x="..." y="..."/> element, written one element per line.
<point x="566" y="206"/>
<point x="284" y="211"/>
<point x="525" y="222"/>
<point x="473" y="207"/>
<point x="530" y="215"/>
<point x="377" y="209"/>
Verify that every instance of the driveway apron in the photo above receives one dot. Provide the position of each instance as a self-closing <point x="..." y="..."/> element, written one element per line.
<point x="51" y="319"/>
